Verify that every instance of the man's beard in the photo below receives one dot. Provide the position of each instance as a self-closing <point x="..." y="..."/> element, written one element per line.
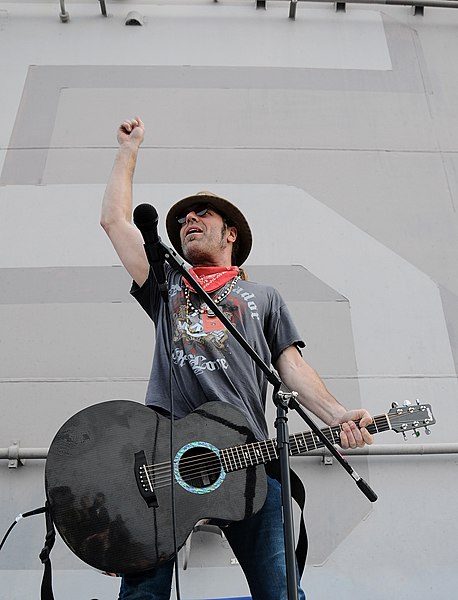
<point x="198" y="255"/>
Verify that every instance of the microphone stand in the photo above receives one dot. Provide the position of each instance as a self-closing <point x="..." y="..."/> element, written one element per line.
<point x="283" y="401"/>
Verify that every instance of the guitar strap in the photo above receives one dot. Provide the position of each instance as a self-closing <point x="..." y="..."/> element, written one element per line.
<point x="46" y="583"/>
<point x="299" y="496"/>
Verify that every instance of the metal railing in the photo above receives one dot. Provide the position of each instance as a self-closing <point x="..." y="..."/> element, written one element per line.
<point x="65" y="17"/>
<point x="340" y="5"/>
<point x="15" y="455"/>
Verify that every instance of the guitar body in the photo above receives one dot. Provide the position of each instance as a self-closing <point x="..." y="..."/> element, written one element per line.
<point x="114" y="513"/>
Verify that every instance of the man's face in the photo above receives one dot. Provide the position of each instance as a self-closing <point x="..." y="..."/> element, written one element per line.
<point x="205" y="238"/>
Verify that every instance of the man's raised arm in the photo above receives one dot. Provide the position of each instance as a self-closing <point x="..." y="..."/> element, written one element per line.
<point x="116" y="217"/>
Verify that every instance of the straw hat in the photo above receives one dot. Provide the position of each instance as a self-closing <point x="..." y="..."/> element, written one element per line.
<point x="223" y="207"/>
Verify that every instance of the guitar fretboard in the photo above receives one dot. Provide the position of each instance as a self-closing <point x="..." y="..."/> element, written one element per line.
<point x="257" y="453"/>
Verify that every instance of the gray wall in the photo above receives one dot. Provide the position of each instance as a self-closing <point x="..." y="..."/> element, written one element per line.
<point x="336" y="134"/>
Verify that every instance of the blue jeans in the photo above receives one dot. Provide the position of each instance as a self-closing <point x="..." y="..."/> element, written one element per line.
<point x="258" y="544"/>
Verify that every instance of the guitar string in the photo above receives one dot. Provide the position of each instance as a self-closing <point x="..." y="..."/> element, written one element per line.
<point x="254" y="449"/>
<point x="162" y="475"/>
<point x="331" y="433"/>
<point x="209" y="464"/>
<point x="193" y="466"/>
<point x="166" y="480"/>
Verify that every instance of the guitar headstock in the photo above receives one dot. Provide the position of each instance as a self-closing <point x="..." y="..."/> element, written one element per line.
<point x="411" y="417"/>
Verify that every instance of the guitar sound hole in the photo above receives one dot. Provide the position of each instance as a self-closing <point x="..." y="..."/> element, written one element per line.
<point x="199" y="467"/>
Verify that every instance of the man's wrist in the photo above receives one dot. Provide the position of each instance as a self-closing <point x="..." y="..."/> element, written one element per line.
<point x="129" y="146"/>
<point x="337" y="414"/>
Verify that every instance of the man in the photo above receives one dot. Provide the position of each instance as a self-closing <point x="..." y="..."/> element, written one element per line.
<point x="214" y="237"/>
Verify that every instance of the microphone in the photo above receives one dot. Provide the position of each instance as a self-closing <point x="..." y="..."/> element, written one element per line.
<point x="146" y="219"/>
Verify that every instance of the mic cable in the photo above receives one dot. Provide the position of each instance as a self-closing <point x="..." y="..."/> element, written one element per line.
<point x="30" y="513"/>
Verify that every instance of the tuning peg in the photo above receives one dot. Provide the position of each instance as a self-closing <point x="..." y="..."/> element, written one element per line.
<point x="404" y="436"/>
<point x="416" y="433"/>
<point x="407" y="403"/>
<point x="394" y="405"/>
<point x="427" y="430"/>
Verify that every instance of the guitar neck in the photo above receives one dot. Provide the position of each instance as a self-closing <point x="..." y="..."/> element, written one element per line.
<point x="257" y="453"/>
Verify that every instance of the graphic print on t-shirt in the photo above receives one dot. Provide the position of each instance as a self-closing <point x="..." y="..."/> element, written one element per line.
<point x="200" y="328"/>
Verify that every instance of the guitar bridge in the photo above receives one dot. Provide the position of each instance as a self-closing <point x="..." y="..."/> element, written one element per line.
<point x="144" y="480"/>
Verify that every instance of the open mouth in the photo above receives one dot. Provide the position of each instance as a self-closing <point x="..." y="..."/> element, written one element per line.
<point x="193" y="230"/>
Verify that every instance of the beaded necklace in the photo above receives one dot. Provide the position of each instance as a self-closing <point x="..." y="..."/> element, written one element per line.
<point x="192" y="311"/>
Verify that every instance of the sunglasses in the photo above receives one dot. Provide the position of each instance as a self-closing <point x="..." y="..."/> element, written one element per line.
<point x="200" y="211"/>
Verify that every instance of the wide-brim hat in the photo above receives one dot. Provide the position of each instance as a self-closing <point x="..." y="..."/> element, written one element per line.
<point x="223" y="207"/>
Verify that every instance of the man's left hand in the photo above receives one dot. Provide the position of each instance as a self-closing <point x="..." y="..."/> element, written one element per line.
<point x="352" y="435"/>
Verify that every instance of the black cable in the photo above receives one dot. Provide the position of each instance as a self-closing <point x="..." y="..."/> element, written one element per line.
<point x="169" y="324"/>
<point x="29" y="513"/>
<point x="7" y="533"/>
<point x="172" y="421"/>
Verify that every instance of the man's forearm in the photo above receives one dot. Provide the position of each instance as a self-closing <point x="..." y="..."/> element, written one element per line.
<point x="117" y="200"/>
<point x="312" y="392"/>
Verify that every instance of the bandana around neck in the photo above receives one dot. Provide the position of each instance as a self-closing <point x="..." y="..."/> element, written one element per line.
<point x="212" y="278"/>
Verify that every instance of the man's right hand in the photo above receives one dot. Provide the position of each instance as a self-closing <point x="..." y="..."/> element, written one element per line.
<point x="132" y="130"/>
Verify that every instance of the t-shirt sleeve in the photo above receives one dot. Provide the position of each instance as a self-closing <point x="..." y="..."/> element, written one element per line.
<point x="281" y="330"/>
<point x="147" y="296"/>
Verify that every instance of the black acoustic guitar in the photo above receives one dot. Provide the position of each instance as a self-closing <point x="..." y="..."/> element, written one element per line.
<point x="109" y="476"/>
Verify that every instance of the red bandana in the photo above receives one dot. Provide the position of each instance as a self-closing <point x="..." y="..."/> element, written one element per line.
<point x="212" y="278"/>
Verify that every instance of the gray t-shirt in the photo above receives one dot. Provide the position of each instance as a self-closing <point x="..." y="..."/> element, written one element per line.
<point x="208" y="363"/>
